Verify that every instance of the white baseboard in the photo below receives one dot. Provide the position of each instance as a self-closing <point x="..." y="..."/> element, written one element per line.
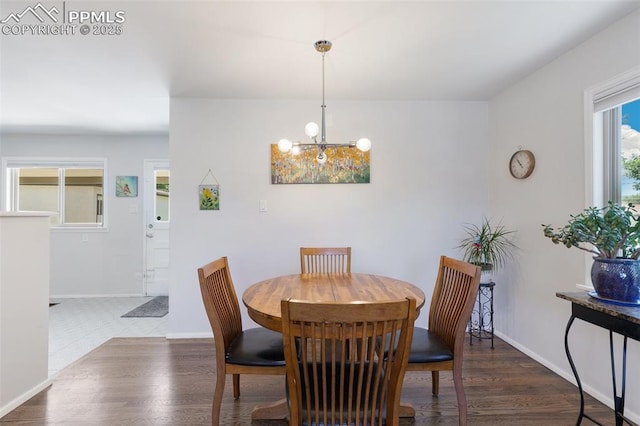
<point x="21" y="399"/>
<point x="82" y="296"/>
<point x="568" y="375"/>
<point x="190" y="335"/>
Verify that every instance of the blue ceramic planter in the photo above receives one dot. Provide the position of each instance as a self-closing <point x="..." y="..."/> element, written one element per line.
<point x="616" y="279"/>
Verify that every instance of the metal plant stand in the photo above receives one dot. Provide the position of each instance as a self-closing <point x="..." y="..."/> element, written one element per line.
<point x="481" y="321"/>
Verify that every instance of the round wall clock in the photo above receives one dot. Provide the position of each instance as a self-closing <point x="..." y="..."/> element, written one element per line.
<point x="522" y="164"/>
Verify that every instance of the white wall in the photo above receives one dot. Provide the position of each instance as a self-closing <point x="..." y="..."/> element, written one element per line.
<point x="109" y="263"/>
<point x="428" y="168"/>
<point x="544" y="113"/>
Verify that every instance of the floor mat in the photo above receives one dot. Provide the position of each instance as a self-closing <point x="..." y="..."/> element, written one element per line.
<point x="156" y="307"/>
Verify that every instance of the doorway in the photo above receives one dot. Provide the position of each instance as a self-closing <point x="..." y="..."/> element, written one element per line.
<point x="157" y="217"/>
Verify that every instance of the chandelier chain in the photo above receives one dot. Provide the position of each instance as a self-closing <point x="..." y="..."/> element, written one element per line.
<point x="323" y="106"/>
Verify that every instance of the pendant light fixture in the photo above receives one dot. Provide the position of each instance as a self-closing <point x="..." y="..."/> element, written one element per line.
<point x="312" y="129"/>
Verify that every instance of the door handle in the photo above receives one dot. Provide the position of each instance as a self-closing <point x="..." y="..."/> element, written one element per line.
<point x="149" y="234"/>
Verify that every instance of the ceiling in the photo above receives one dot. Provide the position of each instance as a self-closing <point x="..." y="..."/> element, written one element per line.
<point x="382" y="50"/>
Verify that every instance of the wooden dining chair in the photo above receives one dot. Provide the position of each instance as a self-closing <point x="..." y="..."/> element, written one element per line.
<point x="439" y="347"/>
<point x="337" y="372"/>
<point x="320" y="260"/>
<point x="252" y="351"/>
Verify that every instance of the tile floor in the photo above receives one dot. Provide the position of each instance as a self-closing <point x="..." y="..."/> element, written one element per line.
<point x="79" y="325"/>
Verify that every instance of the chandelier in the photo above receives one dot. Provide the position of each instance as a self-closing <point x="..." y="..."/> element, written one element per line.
<point x="312" y="129"/>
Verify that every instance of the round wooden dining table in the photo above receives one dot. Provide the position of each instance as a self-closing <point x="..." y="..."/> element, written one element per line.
<point x="263" y="304"/>
<point x="263" y="299"/>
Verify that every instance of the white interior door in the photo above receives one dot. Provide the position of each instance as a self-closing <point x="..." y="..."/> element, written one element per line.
<point x="156" y="227"/>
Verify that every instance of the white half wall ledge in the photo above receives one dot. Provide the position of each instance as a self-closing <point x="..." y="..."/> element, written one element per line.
<point x="24" y="306"/>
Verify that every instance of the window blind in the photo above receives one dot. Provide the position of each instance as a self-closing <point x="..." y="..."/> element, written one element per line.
<point x="622" y="93"/>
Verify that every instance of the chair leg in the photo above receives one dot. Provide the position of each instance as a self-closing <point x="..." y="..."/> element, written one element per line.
<point x="435" y="382"/>
<point x="217" y="397"/>
<point x="462" y="399"/>
<point x="236" y="386"/>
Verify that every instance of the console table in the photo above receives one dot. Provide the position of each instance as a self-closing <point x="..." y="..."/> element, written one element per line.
<point x="620" y="319"/>
<point x="482" y="328"/>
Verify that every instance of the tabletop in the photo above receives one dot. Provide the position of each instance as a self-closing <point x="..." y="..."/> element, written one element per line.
<point x="624" y="312"/>
<point x="263" y="299"/>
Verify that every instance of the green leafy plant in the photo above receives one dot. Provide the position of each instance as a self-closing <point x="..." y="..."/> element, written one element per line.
<point x="487" y="245"/>
<point x="610" y="232"/>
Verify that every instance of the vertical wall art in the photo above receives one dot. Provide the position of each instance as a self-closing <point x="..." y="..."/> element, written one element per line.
<point x="343" y="165"/>
<point x="209" y="193"/>
<point x="126" y="186"/>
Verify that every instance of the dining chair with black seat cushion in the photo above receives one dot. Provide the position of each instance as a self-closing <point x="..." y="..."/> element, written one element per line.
<point x="252" y="351"/>
<point x="319" y="260"/>
<point x="440" y="347"/>
<point x="337" y="372"/>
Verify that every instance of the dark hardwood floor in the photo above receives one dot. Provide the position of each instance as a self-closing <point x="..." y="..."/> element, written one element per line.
<point x="153" y="381"/>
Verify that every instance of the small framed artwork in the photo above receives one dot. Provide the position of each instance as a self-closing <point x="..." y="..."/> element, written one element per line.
<point x="209" y="196"/>
<point x="126" y="186"/>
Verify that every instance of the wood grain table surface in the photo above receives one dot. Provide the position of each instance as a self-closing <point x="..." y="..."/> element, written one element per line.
<point x="263" y="299"/>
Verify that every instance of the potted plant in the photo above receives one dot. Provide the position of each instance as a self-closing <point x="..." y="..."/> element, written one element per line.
<point x="488" y="246"/>
<point x="612" y="234"/>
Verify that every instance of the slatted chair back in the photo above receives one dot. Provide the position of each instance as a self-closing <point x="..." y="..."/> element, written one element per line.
<point x="440" y="347"/>
<point x="221" y="304"/>
<point x="452" y="301"/>
<point x="252" y="351"/>
<point x="338" y="373"/>
<point x="321" y="260"/>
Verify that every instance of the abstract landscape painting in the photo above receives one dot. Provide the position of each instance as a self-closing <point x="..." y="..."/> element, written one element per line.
<point x="344" y="165"/>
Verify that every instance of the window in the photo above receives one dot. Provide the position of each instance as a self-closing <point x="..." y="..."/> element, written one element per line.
<point x="630" y="152"/>
<point x="613" y="140"/>
<point x="605" y="122"/>
<point x="161" y="205"/>
<point x="72" y="192"/>
<point x="621" y="144"/>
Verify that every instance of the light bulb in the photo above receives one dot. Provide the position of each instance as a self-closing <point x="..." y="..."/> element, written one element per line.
<point x="284" y="145"/>
<point x="322" y="157"/>
<point x="311" y="129"/>
<point x="295" y="150"/>
<point x="363" y="144"/>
